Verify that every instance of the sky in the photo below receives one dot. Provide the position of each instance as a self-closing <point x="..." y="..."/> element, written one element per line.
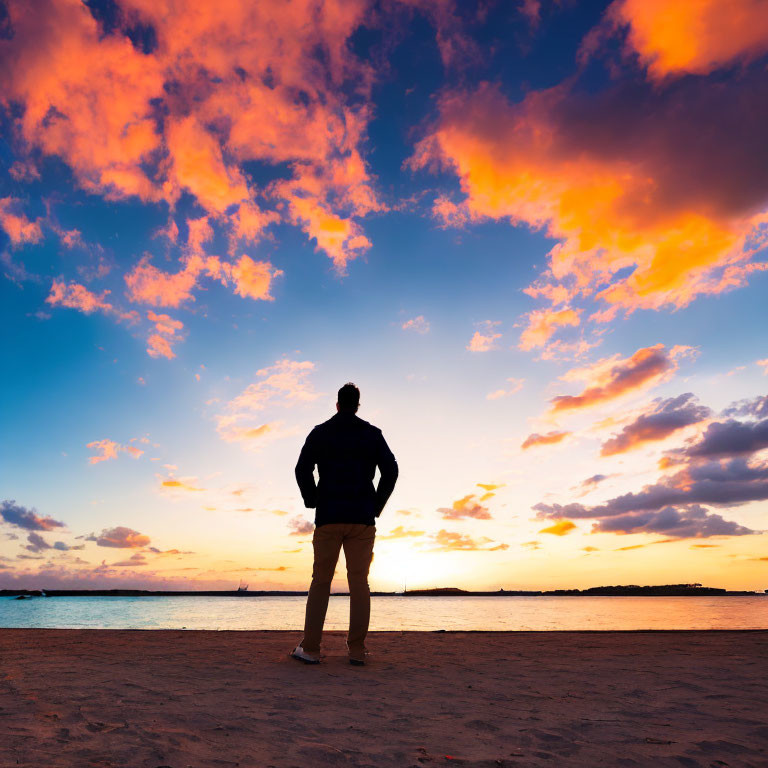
<point x="532" y="232"/>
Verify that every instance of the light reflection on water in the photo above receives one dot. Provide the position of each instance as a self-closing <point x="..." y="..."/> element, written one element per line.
<point x="391" y="613"/>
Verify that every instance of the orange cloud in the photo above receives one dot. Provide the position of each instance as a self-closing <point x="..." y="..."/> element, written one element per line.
<point x="692" y="36"/>
<point x="466" y="507"/>
<point x="341" y="238"/>
<point x="484" y="342"/>
<point x="120" y="538"/>
<point x="560" y="528"/>
<point x="642" y="218"/>
<point x="235" y="83"/>
<point x="159" y="346"/>
<point x="614" y="377"/>
<point x="253" y="278"/>
<point x="108" y="449"/>
<point x="17" y="226"/>
<point x="542" y="324"/>
<point x="199" y="167"/>
<point x="159" y="343"/>
<point x="179" y="485"/>
<point x="165" y="324"/>
<point x="254" y="432"/>
<point x="450" y="541"/>
<point x="149" y="285"/>
<point x="76" y="296"/>
<point x="550" y="438"/>
<point x="401" y="533"/>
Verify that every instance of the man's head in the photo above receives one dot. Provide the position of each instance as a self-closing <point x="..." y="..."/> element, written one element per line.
<point x="348" y="399"/>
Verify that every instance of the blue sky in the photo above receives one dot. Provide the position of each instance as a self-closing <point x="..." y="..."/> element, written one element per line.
<point x="453" y="211"/>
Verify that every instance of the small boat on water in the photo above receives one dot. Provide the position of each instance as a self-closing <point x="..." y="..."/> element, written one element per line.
<point x="242" y="587"/>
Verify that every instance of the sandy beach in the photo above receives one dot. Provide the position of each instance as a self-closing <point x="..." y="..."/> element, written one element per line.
<point x="196" y="698"/>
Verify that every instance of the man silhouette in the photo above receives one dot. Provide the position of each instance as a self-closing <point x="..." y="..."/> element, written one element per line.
<point x="346" y="451"/>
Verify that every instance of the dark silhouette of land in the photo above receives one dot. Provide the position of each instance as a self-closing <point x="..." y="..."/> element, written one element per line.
<point x="662" y="590"/>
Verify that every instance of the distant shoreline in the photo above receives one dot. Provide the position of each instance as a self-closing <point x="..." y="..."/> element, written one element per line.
<point x="666" y="590"/>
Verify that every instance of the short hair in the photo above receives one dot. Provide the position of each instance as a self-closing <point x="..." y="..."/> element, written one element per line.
<point x="349" y="397"/>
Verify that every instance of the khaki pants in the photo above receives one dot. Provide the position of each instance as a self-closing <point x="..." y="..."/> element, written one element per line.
<point x="327" y="541"/>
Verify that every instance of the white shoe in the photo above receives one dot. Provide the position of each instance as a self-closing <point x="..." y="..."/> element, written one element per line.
<point x="300" y="654"/>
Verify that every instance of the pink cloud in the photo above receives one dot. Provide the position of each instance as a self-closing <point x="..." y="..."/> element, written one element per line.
<point x="613" y="377"/>
<point x="159" y="343"/>
<point x="76" y="296"/>
<point x="17" y="226"/>
<point x="120" y="537"/>
<point x="543" y="323"/>
<point x="515" y="385"/>
<point x="108" y="449"/>
<point x="417" y="324"/>
<point x="149" y="285"/>
<point x="550" y="438"/>
<point x="485" y="339"/>
<point x="300" y="527"/>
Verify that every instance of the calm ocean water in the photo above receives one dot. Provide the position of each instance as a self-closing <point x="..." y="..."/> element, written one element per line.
<point x="391" y="613"/>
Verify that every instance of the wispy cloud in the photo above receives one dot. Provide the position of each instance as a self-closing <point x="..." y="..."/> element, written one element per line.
<point x="399" y="532"/>
<point x="417" y="324"/>
<point x="515" y="385"/>
<point x="108" y="449"/>
<point x="614" y="377"/>
<point x="451" y="541"/>
<point x="282" y="385"/>
<point x="550" y="438"/>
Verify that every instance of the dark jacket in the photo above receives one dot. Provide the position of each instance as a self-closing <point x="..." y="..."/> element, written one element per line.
<point x="346" y="451"/>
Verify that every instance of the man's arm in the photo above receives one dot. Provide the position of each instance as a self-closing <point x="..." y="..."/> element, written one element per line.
<point x="305" y="471"/>
<point x="385" y="460"/>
